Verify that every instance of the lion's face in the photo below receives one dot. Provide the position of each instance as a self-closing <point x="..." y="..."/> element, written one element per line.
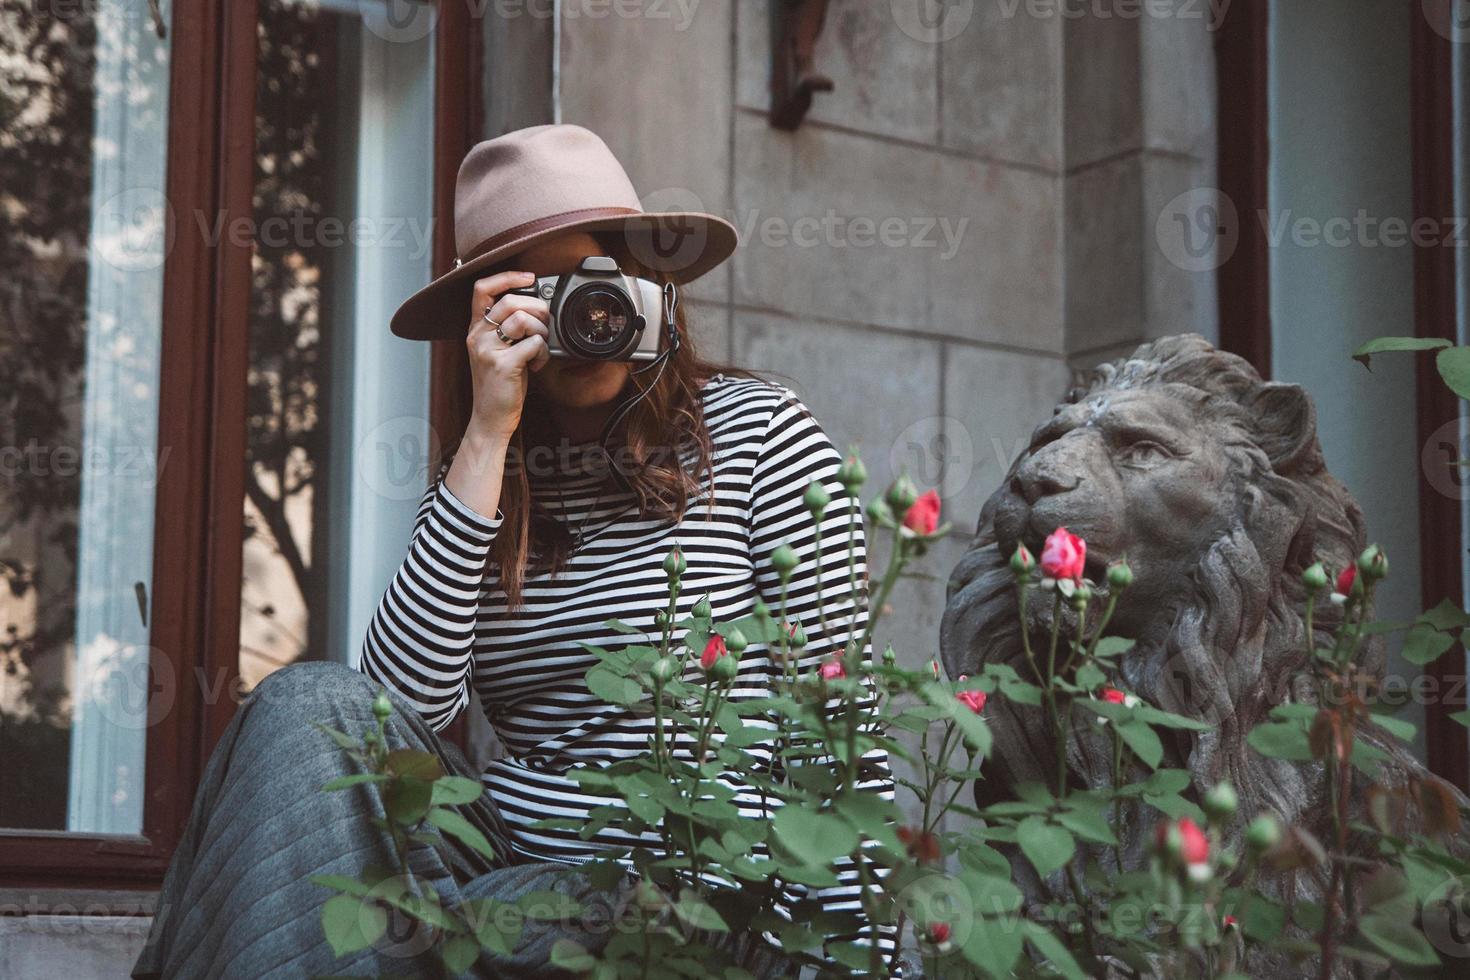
<point x="1139" y="473"/>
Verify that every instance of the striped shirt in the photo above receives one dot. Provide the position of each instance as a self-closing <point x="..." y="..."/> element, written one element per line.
<point x="444" y="626"/>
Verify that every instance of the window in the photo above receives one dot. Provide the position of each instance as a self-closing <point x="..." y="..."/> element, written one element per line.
<point x="172" y="361"/>
<point x="337" y="442"/>
<point x="83" y="236"/>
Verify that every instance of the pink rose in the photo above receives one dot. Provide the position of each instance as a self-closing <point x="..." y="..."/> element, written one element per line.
<point x="1064" y="555"/>
<point x="713" y="650"/>
<point x="923" y="514"/>
<point x="974" y="700"/>
<point x="831" y="670"/>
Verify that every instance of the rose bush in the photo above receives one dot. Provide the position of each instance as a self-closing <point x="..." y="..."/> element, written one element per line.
<point x="1193" y="905"/>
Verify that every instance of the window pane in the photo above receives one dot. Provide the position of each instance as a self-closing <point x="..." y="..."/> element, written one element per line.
<point x="343" y="191"/>
<point x="84" y="230"/>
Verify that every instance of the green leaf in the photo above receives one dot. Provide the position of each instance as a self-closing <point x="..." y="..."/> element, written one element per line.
<point x="1454" y="367"/>
<point x="618" y="626"/>
<point x="457" y="826"/>
<point x="1398" y="937"/>
<point x="698" y="914"/>
<point x="1113" y="646"/>
<point x="497" y="924"/>
<point x="1423" y="643"/>
<point x="407" y="800"/>
<point x="815" y="838"/>
<point x="343" y="740"/>
<point x="342" y="883"/>
<point x="571" y="956"/>
<point x="414" y="764"/>
<point x="460" y="953"/>
<point x="604" y="681"/>
<point x="1445" y="616"/>
<point x="1143" y="741"/>
<point x="343" y="782"/>
<point x="1384" y="345"/>
<point x="1053" y="951"/>
<point x="1397" y="727"/>
<point x="351" y="924"/>
<point x="1261" y="919"/>
<point x="1463" y="717"/>
<point x="1046" y="846"/>
<point x="994" y="944"/>
<point x="1280" y="740"/>
<point x="456" y="790"/>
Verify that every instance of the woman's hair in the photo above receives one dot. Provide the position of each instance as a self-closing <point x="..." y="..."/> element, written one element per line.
<point x="662" y="450"/>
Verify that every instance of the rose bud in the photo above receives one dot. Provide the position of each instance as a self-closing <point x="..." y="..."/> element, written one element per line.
<point x="382" y="706"/>
<point x="1064" y="555"/>
<point x="1263" y="834"/>
<point x="1112" y="695"/>
<point x="664" y="669"/>
<point x="1373" y="563"/>
<point x="798" y="636"/>
<point x="661" y="619"/>
<point x="889" y="657"/>
<point x="724" y="669"/>
<point x="1315" y="578"/>
<point x="702" y="608"/>
<point x="831" y="670"/>
<point x="922" y="847"/>
<point x="939" y="933"/>
<point x="879" y="513"/>
<point x="1181" y="842"/>
<point x="816" y="498"/>
<point x="714" y="650"/>
<point x="736" y="641"/>
<point x="852" y="473"/>
<point x="674" y="564"/>
<point x="923" y="514"/>
<point x="1221" y="802"/>
<point x="934" y="668"/>
<point x="1228" y="923"/>
<point x="1120" y="575"/>
<point x="1081" y="596"/>
<point x="974" y="700"/>
<point x="1022" y="562"/>
<point x="901" y="495"/>
<point x="784" y="560"/>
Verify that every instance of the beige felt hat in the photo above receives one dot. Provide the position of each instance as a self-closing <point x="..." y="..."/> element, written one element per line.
<point x="533" y="183"/>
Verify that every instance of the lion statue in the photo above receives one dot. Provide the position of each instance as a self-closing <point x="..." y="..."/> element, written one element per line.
<point x="1211" y="481"/>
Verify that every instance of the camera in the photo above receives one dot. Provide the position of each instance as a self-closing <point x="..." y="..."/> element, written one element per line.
<point x="600" y="313"/>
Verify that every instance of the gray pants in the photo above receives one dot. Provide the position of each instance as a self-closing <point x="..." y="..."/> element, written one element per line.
<point x="238" y="900"/>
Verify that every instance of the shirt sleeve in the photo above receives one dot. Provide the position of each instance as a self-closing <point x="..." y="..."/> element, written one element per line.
<point x="819" y="594"/>
<point x="420" y="638"/>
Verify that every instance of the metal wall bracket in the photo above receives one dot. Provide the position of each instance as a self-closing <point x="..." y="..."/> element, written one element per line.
<point x="795" y="27"/>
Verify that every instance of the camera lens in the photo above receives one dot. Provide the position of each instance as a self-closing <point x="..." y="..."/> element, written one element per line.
<point x="597" y="321"/>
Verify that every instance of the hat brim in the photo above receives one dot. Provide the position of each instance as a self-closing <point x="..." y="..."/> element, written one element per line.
<point x="682" y="244"/>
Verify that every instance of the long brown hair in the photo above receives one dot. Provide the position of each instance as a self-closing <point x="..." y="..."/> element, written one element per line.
<point x="664" y="451"/>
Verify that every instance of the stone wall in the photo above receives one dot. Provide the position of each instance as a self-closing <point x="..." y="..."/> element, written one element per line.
<point x="970" y="214"/>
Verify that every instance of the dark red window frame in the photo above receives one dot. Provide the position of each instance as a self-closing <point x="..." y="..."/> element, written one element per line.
<point x="1244" y="292"/>
<point x="195" y="601"/>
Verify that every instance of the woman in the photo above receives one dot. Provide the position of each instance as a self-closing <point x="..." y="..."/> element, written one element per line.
<point x="526" y="544"/>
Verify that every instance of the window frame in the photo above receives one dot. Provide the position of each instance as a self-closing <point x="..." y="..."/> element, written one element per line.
<point x="194" y="604"/>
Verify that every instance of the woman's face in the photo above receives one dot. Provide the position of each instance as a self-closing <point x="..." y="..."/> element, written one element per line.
<point x="568" y="381"/>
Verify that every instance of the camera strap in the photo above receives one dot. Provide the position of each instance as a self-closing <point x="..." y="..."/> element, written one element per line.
<point x="670" y="348"/>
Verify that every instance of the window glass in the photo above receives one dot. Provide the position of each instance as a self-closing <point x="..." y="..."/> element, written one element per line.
<point x="84" y="230"/>
<point x="337" y="434"/>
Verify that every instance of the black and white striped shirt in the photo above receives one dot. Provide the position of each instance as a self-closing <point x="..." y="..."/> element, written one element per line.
<point x="444" y="625"/>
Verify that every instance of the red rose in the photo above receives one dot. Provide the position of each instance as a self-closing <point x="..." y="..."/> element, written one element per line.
<point x="1345" y="580"/>
<point x="831" y="670"/>
<point x="923" y="514"/>
<point x="923" y="848"/>
<point x="974" y="700"/>
<point x="1196" y="846"/>
<point x="939" y="933"/>
<point x="713" y="650"/>
<point x="1064" y="555"/>
<point x="1112" y="694"/>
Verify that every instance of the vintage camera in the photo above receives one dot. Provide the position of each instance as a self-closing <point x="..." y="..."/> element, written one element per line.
<point x="599" y="313"/>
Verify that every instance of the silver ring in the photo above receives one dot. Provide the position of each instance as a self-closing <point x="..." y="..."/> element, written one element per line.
<point x="509" y="342"/>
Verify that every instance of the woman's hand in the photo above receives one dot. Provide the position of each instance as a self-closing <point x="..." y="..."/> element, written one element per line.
<point x="501" y="370"/>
